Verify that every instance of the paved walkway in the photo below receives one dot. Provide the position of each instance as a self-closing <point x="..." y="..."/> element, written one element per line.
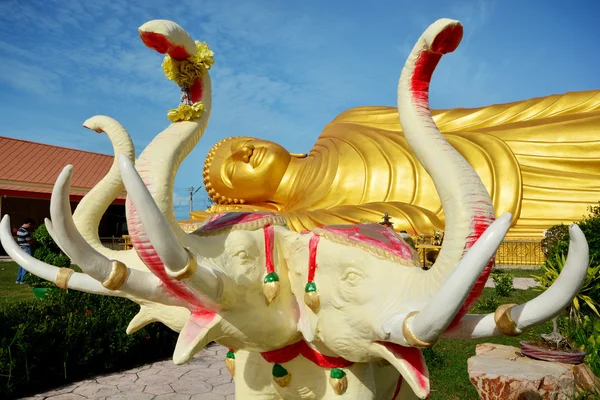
<point x="518" y="283"/>
<point x="205" y="377"/>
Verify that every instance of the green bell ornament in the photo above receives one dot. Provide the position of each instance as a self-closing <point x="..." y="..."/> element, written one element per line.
<point x="338" y="381"/>
<point x="281" y="376"/>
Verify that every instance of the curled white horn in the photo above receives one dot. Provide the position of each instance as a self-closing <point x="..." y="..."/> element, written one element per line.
<point x="513" y="320"/>
<point x="113" y="275"/>
<point x="179" y="262"/>
<point x="65" y="232"/>
<point x="74" y="280"/>
<point x="177" y="36"/>
<point x="54" y="236"/>
<point x="424" y="327"/>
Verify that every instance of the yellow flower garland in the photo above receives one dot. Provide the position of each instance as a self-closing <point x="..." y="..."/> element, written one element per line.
<point x="184" y="73"/>
<point x="186" y="112"/>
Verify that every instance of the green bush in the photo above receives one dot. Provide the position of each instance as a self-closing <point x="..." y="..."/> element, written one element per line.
<point x="557" y="237"/>
<point x="48" y="251"/>
<point x="43" y="238"/>
<point x="41" y="252"/>
<point x="556" y="246"/>
<point x="50" y="258"/>
<point x="71" y="336"/>
<point x="486" y="304"/>
<point x="556" y="240"/>
<point x="62" y="261"/>
<point x="58" y="260"/>
<point x="586" y="335"/>
<point x="503" y="283"/>
<point x="587" y="301"/>
<point x="37" y="282"/>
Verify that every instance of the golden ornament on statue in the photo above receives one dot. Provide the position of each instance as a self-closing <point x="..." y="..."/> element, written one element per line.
<point x="281" y="376"/>
<point x="230" y="362"/>
<point x="312" y="300"/>
<point x="271" y="287"/>
<point x="338" y="381"/>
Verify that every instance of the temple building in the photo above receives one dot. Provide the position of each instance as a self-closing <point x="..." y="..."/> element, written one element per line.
<point x="28" y="171"/>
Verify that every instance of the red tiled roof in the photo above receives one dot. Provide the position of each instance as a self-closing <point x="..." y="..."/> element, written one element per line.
<point x="32" y="168"/>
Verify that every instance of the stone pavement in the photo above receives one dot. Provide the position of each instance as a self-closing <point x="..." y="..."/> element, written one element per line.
<point x="205" y="377"/>
<point x="518" y="283"/>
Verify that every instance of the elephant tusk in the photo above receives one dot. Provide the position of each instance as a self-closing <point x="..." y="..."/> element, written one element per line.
<point x="54" y="236"/>
<point x="112" y="274"/>
<point x="513" y="320"/>
<point x="179" y="262"/>
<point x="63" y="277"/>
<point x="170" y="251"/>
<point x="64" y="231"/>
<point x="422" y="329"/>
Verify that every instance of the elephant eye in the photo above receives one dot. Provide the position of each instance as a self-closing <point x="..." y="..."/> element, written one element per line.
<point x="352" y="276"/>
<point x="242" y="255"/>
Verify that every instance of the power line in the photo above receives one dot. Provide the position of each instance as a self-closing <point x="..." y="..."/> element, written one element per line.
<point x="192" y="193"/>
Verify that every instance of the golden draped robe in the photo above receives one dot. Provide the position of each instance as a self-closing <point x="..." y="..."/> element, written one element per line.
<point x="539" y="159"/>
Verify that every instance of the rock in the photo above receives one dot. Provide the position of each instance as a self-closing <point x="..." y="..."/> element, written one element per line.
<point x="502" y="372"/>
<point x="585" y="378"/>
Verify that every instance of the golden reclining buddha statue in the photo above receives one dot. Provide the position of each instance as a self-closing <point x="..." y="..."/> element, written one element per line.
<point x="539" y="159"/>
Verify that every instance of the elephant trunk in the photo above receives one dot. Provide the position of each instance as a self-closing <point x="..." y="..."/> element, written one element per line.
<point x="155" y="235"/>
<point x="92" y="207"/>
<point x="466" y="203"/>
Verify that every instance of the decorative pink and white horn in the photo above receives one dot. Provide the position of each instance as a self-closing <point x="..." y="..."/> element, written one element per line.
<point x="176" y="259"/>
<point x="542" y="308"/>
<point x="466" y="203"/>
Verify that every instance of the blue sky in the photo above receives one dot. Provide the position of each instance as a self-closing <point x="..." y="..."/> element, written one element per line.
<point x="283" y="68"/>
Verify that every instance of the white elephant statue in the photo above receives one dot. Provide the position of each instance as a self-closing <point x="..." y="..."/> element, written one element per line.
<point x="338" y="312"/>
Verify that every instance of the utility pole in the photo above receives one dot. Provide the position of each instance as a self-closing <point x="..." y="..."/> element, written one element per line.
<point x="192" y="193"/>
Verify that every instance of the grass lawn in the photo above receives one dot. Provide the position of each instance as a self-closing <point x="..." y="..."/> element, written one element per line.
<point x="447" y="361"/>
<point x="9" y="291"/>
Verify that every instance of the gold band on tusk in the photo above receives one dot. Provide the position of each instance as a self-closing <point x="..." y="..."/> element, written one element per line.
<point x="504" y="320"/>
<point x="62" y="277"/>
<point x="187" y="271"/>
<point x="411" y="338"/>
<point x="117" y="276"/>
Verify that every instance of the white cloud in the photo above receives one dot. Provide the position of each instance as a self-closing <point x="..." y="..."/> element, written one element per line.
<point x="180" y="201"/>
<point x="29" y="78"/>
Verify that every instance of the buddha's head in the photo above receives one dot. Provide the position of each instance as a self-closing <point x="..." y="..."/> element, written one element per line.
<point x="244" y="169"/>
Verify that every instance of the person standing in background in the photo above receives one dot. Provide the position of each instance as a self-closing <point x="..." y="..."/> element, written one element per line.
<point x="25" y="240"/>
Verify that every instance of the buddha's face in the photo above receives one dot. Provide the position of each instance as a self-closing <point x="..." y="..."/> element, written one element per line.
<point x="248" y="168"/>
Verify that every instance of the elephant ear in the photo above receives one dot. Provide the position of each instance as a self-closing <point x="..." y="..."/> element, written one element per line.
<point x="199" y="330"/>
<point x="173" y="317"/>
<point x="223" y="223"/>
<point x="409" y="362"/>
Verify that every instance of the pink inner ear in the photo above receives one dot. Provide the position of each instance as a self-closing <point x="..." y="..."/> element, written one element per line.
<point x="414" y="358"/>
<point x="197" y="322"/>
<point x="161" y="44"/>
